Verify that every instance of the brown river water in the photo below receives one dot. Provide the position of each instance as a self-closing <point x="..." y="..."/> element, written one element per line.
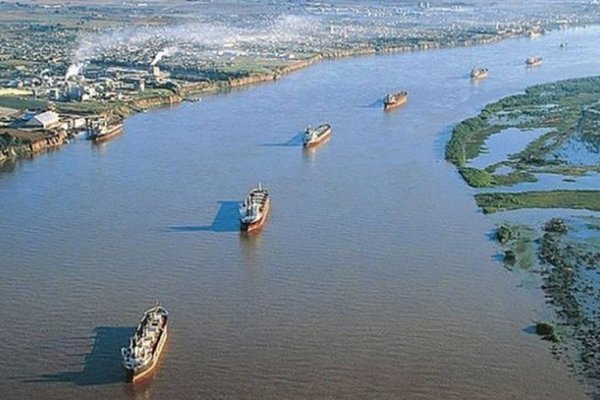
<point x="375" y="276"/>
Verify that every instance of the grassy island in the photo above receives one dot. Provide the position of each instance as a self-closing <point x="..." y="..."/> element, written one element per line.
<point x="564" y="251"/>
<point x="569" y="112"/>
<point x="566" y="254"/>
<point x="575" y="199"/>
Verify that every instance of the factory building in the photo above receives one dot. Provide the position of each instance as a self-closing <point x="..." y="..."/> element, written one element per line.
<point x="45" y="120"/>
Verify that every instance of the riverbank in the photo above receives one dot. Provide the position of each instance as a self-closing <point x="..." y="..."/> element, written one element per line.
<point x="278" y="72"/>
<point x="15" y="144"/>
<point x="161" y="97"/>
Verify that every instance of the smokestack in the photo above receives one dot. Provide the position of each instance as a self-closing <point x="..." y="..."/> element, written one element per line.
<point x="157" y="58"/>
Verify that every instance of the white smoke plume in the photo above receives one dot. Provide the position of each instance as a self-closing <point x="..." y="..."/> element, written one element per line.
<point x="73" y="70"/>
<point x="276" y="32"/>
<point x="169" y="51"/>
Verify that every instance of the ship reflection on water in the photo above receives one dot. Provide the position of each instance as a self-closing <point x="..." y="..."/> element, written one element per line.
<point x="250" y="244"/>
<point x="309" y="154"/>
<point x="100" y="148"/>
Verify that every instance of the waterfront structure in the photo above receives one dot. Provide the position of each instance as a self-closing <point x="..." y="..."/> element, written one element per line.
<point x="45" y="120"/>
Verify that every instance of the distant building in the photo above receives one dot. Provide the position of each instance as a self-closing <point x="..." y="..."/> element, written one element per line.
<point x="54" y="94"/>
<point x="74" y="92"/>
<point x="133" y="82"/>
<point x="155" y="71"/>
<point x="44" y="120"/>
<point x="17" y="83"/>
<point x="141" y="85"/>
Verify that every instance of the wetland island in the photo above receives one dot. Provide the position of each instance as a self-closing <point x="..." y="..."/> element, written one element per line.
<point x="550" y="130"/>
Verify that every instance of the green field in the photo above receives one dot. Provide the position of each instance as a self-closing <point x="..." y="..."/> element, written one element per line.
<point x="22" y="103"/>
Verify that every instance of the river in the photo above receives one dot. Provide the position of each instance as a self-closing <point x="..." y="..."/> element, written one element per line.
<point x="375" y="276"/>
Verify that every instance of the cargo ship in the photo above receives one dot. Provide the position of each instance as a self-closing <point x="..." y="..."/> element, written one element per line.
<point x="315" y="136"/>
<point x="255" y="209"/>
<point x="146" y="345"/>
<point x="391" y="101"/>
<point x="479" y="73"/>
<point x="103" y="131"/>
<point x="533" y="61"/>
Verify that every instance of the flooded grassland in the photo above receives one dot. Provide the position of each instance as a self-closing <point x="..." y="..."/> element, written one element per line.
<point x="549" y="130"/>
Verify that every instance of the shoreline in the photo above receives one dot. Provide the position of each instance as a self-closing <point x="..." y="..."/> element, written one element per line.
<point x="280" y="72"/>
<point x="190" y="90"/>
<point x="563" y="251"/>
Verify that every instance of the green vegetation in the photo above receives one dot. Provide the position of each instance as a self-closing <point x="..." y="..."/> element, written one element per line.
<point x="510" y="258"/>
<point x="566" y="255"/>
<point x="556" y="106"/>
<point x="477" y="177"/>
<point x="568" y="266"/>
<point x="504" y="234"/>
<point x="518" y="244"/>
<point x="548" y="331"/>
<point x="247" y="66"/>
<point x="567" y="262"/>
<point x="575" y="199"/>
<point x="86" y="107"/>
<point x="153" y="93"/>
<point x="556" y="225"/>
<point x="22" y="103"/>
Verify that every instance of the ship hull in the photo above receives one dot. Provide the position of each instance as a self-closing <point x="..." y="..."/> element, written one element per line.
<point x="107" y="136"/>
<point x="260" y="223"/>
<point x="319" y="140"/>
<point x="478" y="75"/>
<point x="534" y="62"/>
<point x="393" y="105"/>
<point x="135" y="375"/>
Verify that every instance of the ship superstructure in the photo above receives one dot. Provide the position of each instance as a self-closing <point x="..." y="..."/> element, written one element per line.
<point x="146" y="345"/>
<point x="254" y="209"/>
<point x="394" y="100"/>
<point x="534" y="61"/>
<point x="479" y="73"/>
<point x="315" y="136"/>
<point x="101" y="131"/>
